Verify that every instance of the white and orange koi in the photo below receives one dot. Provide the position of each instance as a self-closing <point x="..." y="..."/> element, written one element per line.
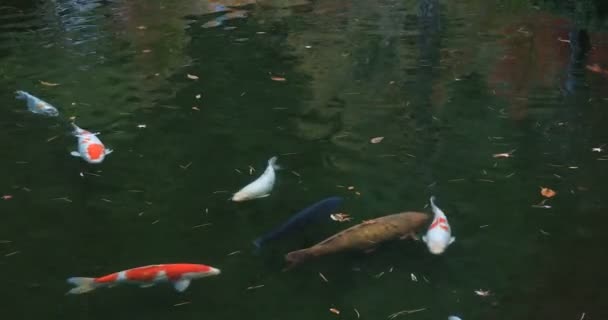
<point x="179" y="274"/>
<point x="439" y="234"/>
<point x="90" y="148"/>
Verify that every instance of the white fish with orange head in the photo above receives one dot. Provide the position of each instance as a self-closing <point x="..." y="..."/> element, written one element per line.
<point x="90" y="148"/>
<point x="37" y="105"/>
<point x="439" y="234"/>
<point x="261" y="187"/>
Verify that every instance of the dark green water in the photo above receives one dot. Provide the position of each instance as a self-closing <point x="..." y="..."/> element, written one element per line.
<point x="446" y="83"/>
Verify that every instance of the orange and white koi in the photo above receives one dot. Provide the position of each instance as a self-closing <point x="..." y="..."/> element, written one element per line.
<point x="90" y="148"/>
<point x="439" y="234"/>
<point x="178" y="274"/>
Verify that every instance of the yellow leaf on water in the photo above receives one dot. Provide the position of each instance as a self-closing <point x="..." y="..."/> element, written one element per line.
<point x="376" y="139"/>
<point x="547" y="193"/>
<point x="48" y="84"/>
<point x="277" y="78"/>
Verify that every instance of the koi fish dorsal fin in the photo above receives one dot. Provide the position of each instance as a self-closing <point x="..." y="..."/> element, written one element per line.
<point x="181" y="285"/>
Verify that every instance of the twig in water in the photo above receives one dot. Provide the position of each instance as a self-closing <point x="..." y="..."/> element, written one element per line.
<point x="255" y="287"/>
<point x="396" y="314"/>
<point x="323" y="277"/>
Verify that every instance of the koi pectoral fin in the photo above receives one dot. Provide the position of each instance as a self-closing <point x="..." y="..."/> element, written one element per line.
<point x="369" y="250"/>
<point x="452" y="240"/>
<point x="410" y="235"/>
<point x="108" y="151"/>
<point x="75" y="153"/>
<point x="181" y="285"/>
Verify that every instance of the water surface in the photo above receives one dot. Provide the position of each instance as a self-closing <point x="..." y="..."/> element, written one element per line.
<point x="446" y="83"/>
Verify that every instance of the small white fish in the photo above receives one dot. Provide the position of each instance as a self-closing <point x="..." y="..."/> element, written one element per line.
<point x="261" y="187"/>
<point x="36" y="105"/>
<point x="439" y="235"/>
<point x="90" y="148"/>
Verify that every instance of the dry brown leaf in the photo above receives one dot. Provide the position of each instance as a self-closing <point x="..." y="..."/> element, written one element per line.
<point x="277" y="78"/>
<point x="547" y="193"/>
<point x="482" y="293"/>
<point x="48" y="84"/>
<point x="501" y="155"/>
<point x="340" y="217"/>
<point x="192" y="77"/>
<point x="334" y="310"/>
<point x="376" y="139"/>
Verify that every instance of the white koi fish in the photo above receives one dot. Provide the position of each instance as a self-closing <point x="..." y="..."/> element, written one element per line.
<point x="261" y="187"/>
<point x="36" y="105"/>
<point x="439" y="235"/>
<point x="90" y="148"/>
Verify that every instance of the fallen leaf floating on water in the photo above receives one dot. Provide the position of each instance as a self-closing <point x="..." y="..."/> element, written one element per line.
<point x="277" y="78"/>
<point x="547" y="193"/>
<point x="198" y="96"/>
<point x="340" y="217"/>
<point x="141" y="27"/>
<point x="334" y="310"/>
<point x="196" y="109"/>
<point x="141" y="126"/>
<point x="501" y="155"/>
<point x="376" y="140"/>
<point x="48" y="84"/>
<point x="482" y="293"/>
<point x="146" y="51"/>
<point x="7" y="197"/>
<point x="504" y="154"/>
<point x="192" y="77"/>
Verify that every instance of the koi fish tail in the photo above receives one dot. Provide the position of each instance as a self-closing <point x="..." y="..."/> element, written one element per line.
<point x="77" y="130"/>
<point x="83" y="285"/>
<point x="435" y="208"/>
<point x="258" y="243"/>
<point x="294" y="258"/>
<point x="273" y="163"/>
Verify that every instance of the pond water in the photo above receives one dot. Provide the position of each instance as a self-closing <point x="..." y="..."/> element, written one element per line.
<point x="193" y="96"/>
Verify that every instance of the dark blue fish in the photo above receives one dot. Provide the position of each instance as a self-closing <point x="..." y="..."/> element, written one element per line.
<point x="316" y="211"/>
